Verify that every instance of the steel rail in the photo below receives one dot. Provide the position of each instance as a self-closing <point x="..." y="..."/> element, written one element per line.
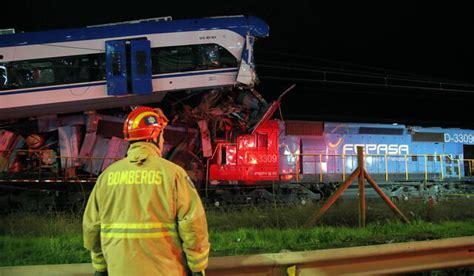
<point x="382" y="259"/>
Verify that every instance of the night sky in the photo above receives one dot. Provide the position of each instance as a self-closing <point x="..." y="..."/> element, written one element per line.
<point x="395" y="62"/>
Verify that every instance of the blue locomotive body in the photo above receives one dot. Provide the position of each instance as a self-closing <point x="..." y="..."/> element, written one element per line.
<point x="390" y="149"/>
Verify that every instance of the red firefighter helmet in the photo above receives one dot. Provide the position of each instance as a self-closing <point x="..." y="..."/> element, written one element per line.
<point x="144" y="123"/>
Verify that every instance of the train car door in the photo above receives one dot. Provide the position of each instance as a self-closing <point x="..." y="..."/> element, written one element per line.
<point x="128" y="67"/>
<point x="140" y="57"/>
<point x="116" y="67"/>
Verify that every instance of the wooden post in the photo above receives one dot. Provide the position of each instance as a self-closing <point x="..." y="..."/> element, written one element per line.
<point x="362" y="174"/>
<point x="313" y="219"/>
<point x="360" y="161"/>
<point x="385" y="197"/>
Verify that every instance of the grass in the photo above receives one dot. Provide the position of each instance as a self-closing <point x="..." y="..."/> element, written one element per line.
<point x="27" y="239"/>
<point x="342" y="213"/>
<point x="30" y="250"/>
<point x="269" y="240"/>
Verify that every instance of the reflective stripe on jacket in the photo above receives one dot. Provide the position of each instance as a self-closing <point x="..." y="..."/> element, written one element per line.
<point x="144" y="217"/>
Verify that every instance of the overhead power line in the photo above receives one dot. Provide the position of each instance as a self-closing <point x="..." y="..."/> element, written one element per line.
<point x="372" y="69"/>
<point x="387" y="85"/>
<point x="385" y="79"/>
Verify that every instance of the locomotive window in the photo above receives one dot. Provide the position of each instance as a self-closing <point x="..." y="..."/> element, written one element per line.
<point x="427" y="137"/>
<point x="223" y="157"/>
<point x="228" y="155"/>
<point x="247" y="142"/>
<point x="262" y="140"/>
<point x="378" y="130"/>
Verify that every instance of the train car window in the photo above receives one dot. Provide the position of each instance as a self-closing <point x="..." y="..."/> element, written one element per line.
<point x="81" y="68"/>
<point x="172" y="59"/>
<point x="185" y="59"/>
<point x="3" y="76"/>
<point x="430" y="158"/>
<point x="208" y="57"/>
<point x="226" y="59"/>
<point x="190" y="58"/>
<point x="141" y="62"/>
<point x="54" y="71"/>
<point x="414" y="158"/>
<point x="34" y="73"/>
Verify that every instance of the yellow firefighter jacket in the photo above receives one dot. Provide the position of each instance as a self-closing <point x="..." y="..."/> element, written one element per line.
<point x="144" y="217"/>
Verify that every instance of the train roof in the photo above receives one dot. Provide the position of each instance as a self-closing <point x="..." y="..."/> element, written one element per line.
<point x="240" y="24"/>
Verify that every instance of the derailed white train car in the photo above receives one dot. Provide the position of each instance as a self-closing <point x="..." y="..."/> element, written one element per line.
<point x="123" y="64"/>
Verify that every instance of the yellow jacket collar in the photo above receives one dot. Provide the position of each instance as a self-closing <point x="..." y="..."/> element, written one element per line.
<point x="141" y="151"/>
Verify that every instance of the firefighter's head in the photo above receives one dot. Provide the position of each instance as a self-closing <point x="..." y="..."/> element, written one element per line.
<point x="144" y="124"/>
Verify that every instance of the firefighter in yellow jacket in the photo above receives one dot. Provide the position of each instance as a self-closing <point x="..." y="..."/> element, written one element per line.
<point x="144" y="216"/>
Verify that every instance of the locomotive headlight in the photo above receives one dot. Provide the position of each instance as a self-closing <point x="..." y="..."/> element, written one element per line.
<point x="252" y="160"/>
